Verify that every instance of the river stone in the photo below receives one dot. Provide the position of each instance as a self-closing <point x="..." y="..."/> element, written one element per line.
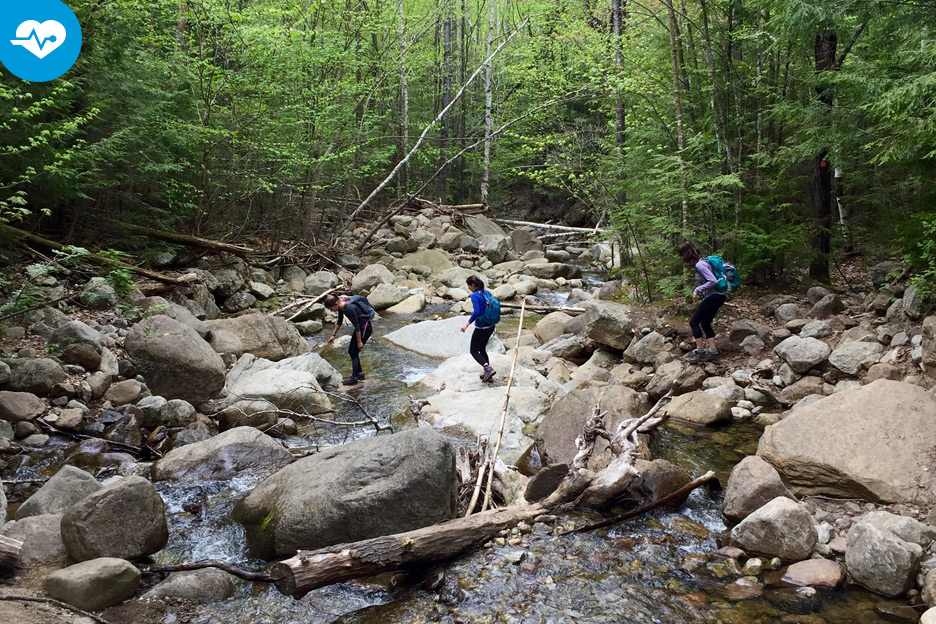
<point x="479" y="225"/>
<point x="928" y="617"/>
<point x="76" y="332"/>
<point x="495" y="247"/>
<point x="814" y="573"/>
<point x="826" y="307"/>
<point x="263" y="335"/>
<point x="248" y="365"/>
<point x="384" y="296"/>
<point x="743" y="328"/>
<point x="94" y="585"/>
<point x="816" y="329"/>
<point x="83" y="355"/>
<point x="411" y="305"/>
<point x="781" y="528"/>
<point x="555" y="436"/>
<point x="907" y="529"/>
<point x="802" y="354"/>
<point x="367" y="488"/>
<point x="659" y="478"/>
<point x="126" y="519"/>
<point x="700" y="407"/>
<point x="20" y="406"/>
<point x="42" y="542"/>
<point x="437" y="261"/>
<point x="524" y="240"/>
<point x="676" y="377"/>
<point x="204" y="586"/>
<point x="319" y="282"/>
<point x="914" y="303"/>
<point x="175" y="361"/>
<point x="124" y="392"/>
<point x="225" y="456"/>
<point x="608" y="323"/>
<point x="98" y="294"/>
<point x="369" y="277"/>
<point x="294" y="390"/>
<point x="551" y="326"/>
<point x="647" y="349"/>
<point x="504" y="292"/>
<point x="553" y="270"/>
<point x="823" y="449"/>
<point x="802" y="387"/>
<point x="545" y="482"/>
<point x="441" y="338"/>
<point x="753" y="483"/>
<point x="36" y="375"/>
<point x="881" y="271"/>
<point x="566" y="347"/>
<point x="787" y="312"/>
<point x="879" y="560"/>
<point x="855" y="357"/>
<point x="66" y="487"/>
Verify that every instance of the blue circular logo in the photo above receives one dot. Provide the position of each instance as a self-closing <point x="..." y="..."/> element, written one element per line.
<point x="39" y="40"/>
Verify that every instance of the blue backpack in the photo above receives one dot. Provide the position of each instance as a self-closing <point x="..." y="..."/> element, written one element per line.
<point x="367" y="310"/>
<point x="491" y="314"/>
<point x="726" y="274"/>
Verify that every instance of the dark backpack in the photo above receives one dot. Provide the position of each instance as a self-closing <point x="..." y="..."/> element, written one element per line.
<point x="726" y="275"/>
<point x="362" y="304"/>
<point x="491" y="314"/>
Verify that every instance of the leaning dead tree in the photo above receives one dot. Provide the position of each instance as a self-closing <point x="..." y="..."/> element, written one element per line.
<point x="582" y="487"/>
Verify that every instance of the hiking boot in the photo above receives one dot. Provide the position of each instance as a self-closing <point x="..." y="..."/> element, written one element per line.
<point x="350" y="381"/>
<point x="697" y="356"/>
<point x="488" y="375"/>
<point x="359" y="376"/>
<point x="712" y="355"/>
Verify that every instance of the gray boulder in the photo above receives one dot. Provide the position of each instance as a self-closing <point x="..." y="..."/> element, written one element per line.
<point x="437" y="261"/>
<point x="42" y="542"/>
<point x="781" y="528"/>
<point x="384" y="296"/>
<point x="816" y="293"/>
<point x="646" y="350"/>
<point x="199" y="586"/>
<point x="264" y="335"/>
<point x="551" y="326"/>
<point x="319" y="282"/>
<point x="567" y="346"/>
<point x="823" y="448"/>
<point x="66" y="487"/>
<point x="368" y="278"/>
<point x="743" y="328"/>
<point x="829" y="305"/>
<point x="879" y="560"/>
<point x="608" y="323"/>
<point x="98" y="294"/>
<point x="126" y="519"/>
<point x="367" y="488"/>
<point x="495" y="247"/>
<point x="753" y="484"/>
<point x="928" y="344"/>
<point x="20" y="406"/>
<point x="787" y="312"/>
<point x="524" y="240"/>
<point x="94" y="585"/>
<point x="802" y="354"/>
<point x="36" y="375"/>
<point x="700" y="407"/>
<point x="441" y="338"/>
<point x="291" y="384"/>
<point x="881" y="271"/>
<point x="676" y="377"/>
<point x="854" y="358"/>
<point x="175" y="361"/>
<point x="76" y="332"/>
<point x="553" y="270"/>
<point x="914" y="303"/>
<point x="225" y="456"/>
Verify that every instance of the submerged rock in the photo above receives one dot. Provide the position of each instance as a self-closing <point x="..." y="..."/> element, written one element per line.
<point x="242" y="450"/>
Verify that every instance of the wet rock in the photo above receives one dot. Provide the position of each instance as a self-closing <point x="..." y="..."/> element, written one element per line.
<point x="745" y="588"/>
<point x="441" y="338"/>
<point x="94" y="585"/>
<point x="659" y="478"/>
<point x="753" y="483"/>
<point x="545" y="482"/>
<point x="700" y="407"/>
<point x="66" y="487"/>
<point x="176" y="362"/>
<point x="802" y="354"/>
<point x="352" y="492"/>
<point x="879" y="560"/>
<point x="42" y="541"/>
<point x="820" y="573"/>
<point x="20" y="406"/>
<point x="126" y="519"/>
<point x="263" y="335"/>
<point x="822" y="448"/>
<point x="227" y="455"/>
<point x="608" y="323"/>
<point x="781" y="528"/>
<point x="24" y="429"/>
<point x="200" y="586"/>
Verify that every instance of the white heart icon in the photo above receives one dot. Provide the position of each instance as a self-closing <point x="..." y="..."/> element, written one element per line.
<point x="40" y="39"/>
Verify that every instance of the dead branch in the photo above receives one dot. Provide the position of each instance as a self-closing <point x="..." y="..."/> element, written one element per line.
<point x="533" y="306"/>
<point x="248" y="575"/>
<point x="182" y="239"/>
<point x="55" y="603"/>
<point x="9" y="553"/>
<point x="141" y="452"/>
<point x="549" y="226"/>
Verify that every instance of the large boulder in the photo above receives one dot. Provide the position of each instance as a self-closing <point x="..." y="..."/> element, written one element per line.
<point x="873" y="443"/>
<point x="225" y="456"/>
<point x="126" y="519"/>
<point x="479" y="225"/>
<point x="781" y="528"/>
<point x="94" y="585"/>
<point x="66" y="487"/>
<point x="553" y="270"/>
<point x="608" y="323"/>
<point x="175" y="361"/>
<point x="524" y="240"/>
<point x="20" y="406"/>
<point x="495" y="247"/>
<point x="647" y="349"/>
<point x="367" y="488"/>
<point x="677" y="377"/>
<point x="386" y="295"/>
<point x="368" y="278"/>
<point x="264" y="335"/>
<point x="76" y="332"/>
<point x="802" y="354"/>
<point x="551" y="326"/>
<point x="199" y="586"/>
<point x="854" y="358"/>
<point x="437" y="261"/>
<point x="291" y="384"/>
<point x="35" y="375"/>
<point x="880" y="560"/>
<point x="700" y="407"/>
<point x="42" y="542"/>
<point x="441" y="338"/>
<point x="928" y="344"/>
<point x="753" y="484"/>
<point x="555" y="436"/>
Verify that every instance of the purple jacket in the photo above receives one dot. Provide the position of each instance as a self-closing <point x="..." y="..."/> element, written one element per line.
<point x="705" y="277"/>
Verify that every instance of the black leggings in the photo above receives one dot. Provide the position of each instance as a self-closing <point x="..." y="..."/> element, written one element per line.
<point x="702" y="318"/>
<point x="353" y="350"/>
<point x="479" y="340"/>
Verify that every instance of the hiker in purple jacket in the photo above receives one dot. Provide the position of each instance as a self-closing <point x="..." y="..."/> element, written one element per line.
<point x="701" y="321"/>
<point x="482" y="333"/>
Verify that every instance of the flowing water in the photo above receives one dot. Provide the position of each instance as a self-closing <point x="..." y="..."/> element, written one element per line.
<point x="633" y="572"/>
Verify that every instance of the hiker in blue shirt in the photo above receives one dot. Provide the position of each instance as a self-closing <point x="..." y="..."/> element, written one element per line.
<point x="482" y="333"/>
<point x="359" y="313"/>
<point x="711" y="301"/>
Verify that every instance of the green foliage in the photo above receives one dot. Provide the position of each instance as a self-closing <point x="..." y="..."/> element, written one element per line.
<point x="268" y="519"/>
<point x="920" y="241"/>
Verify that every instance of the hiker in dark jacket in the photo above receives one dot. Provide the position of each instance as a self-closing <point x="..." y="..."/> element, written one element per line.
<point x="711" y="301"/>
<point x="482" y="333"/>
<point x="360" y="315"/>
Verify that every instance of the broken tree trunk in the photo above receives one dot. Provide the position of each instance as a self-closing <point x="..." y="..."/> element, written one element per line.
<point x="182" y="239"/>
<point x="548" y="226"/>
<point x="308" y="570"/>
<point x="50" y="244"/>
<point x="9" y="553"/>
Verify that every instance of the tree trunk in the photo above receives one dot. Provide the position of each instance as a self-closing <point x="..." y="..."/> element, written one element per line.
<point x="404" y="98"/>
<point x="9" y="553"/>
<point x="677" y="104"/>
<point x="448" y="45"/>
<point x="488" y="103"/>
<point x="826" y="45"/>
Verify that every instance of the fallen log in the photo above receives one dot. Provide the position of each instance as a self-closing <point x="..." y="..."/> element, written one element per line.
<point x="549" y="226"/>
<point x="9" y="553"/>
<point x="531" y="306"/>
<point x="247" y="575"/>
<point x="90" y="257"/>
<point x="183" y="239"/>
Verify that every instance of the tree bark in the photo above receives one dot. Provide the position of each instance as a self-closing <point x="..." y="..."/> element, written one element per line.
<point x="826" y="44"/>
<point x="677" y="104"/>
<point x="9" y="553"/>
<point x="488" y="103"/>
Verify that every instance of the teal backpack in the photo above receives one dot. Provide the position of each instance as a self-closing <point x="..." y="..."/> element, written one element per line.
<point x="364" y="306"/>
<point x="726" y="274"/>
<point x="491" y="314"/>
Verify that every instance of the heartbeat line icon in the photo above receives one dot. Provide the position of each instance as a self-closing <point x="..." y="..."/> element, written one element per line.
<point x="40" y="39"/>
